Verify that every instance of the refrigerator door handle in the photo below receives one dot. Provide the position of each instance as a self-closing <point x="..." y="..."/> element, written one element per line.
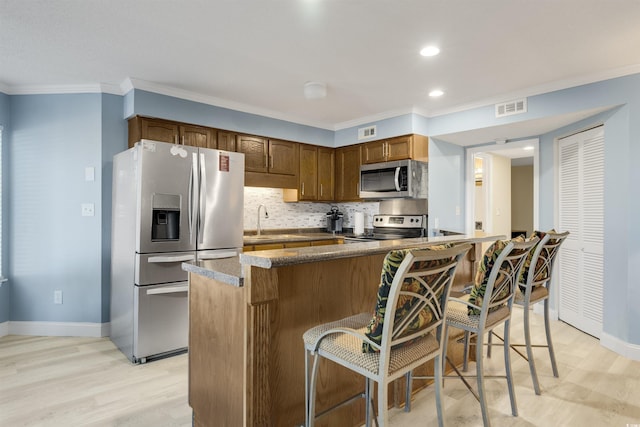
<point x="193" y="189"/>
<point x="203" y="197"/>
<point x="168" y="290"/>
<point x="169" y="258"/>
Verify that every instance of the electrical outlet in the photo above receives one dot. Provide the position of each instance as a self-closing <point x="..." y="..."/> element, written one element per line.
<point x="88" y="209"/>
<point x="57" y="297"/>
<point x="436" y="223"/>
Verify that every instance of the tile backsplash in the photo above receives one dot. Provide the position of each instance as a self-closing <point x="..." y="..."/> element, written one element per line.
<point x="298" y="215"/>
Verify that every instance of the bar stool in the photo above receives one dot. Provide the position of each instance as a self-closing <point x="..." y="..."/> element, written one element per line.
<point x="488" y="306"/>
<point x="405" y="331"/>
<point x="535" y="285"/>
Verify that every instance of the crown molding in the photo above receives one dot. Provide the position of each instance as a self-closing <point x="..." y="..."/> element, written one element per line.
<point x="55" y="89"/>
<point x="542" y="89"/>
<point x="129" y="84"/>
<point x="373" y="118"/>
<point x="219" y="102"/>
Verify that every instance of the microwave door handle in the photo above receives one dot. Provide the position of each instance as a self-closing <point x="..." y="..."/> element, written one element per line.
<point x="396" y="177"/>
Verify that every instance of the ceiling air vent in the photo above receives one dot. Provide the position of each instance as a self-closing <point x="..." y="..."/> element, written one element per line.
<point x="368" y="132"/>
<point x="512" y="107"/>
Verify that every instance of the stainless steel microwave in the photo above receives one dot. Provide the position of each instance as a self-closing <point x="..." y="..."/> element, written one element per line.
<point x="393" y="180"/>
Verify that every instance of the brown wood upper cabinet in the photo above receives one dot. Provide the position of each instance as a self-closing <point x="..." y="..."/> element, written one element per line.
<point x="226" y="140"/>
<point x="316" y="174"/>
<point x="348" y="160"/>
<point x="402" y="147"/>
<point x="172" y="132"/>
<point x="326" y="173"/>
<point x="268" y="155"/>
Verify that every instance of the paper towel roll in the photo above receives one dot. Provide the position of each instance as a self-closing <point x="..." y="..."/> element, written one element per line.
<point x="358" y="223"/>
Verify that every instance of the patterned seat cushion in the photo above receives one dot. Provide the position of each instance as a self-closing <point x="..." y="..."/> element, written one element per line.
<point x="484" y="271"/>
<point x="542" y="272"/>
<point x="389" y="268"/>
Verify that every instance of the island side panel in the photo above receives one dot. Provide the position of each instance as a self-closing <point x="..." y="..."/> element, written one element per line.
<point x="310" y="294"/>
<point x="217" y="323"/>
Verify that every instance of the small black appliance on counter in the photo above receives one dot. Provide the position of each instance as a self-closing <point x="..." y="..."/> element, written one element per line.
<point x="334" y="220"/>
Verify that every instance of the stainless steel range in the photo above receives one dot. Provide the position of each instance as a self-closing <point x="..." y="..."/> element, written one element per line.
<point x="398" y="219"/>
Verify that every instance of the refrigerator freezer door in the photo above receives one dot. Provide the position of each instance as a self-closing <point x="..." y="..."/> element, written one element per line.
<point x="159" y="268"/>
<point x="221" y="199"/>
<point x="167" y="200"/>
<point x="161" y="319"/>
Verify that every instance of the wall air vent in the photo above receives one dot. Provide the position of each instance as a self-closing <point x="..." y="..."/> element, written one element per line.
<point x="368" y="132"/>
<point x="512" y="107"/>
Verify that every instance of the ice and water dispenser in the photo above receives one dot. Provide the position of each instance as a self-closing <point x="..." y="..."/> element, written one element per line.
<point x="165" y="223"/>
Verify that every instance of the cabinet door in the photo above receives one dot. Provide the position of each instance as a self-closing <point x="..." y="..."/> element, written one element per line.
<point x="226" y="141"/>
<point x="196" y="136"/>
<point x="326" y="166"/>
<point x="348" y="173"/>
<point x="283" y="157"/>
<point x="399" y="148"/>
<point x="159" y="130"/>
<point x="308" y="172"/>
<point x="255" y="151"/>
<point x="374" y="152"/>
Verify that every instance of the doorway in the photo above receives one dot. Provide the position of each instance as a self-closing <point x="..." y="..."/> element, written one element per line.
<point x="489" y="194"/>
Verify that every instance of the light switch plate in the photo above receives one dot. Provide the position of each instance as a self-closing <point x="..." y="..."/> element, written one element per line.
<point x="89" y="173"/>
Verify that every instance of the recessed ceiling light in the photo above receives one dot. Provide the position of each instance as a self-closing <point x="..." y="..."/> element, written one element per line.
<point x="528" y="147"/>
<point x="435" y="93"/>
<point x="430" y="51"/>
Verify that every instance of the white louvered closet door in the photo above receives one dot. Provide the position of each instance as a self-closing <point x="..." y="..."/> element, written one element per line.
<point x="581" y="211"/>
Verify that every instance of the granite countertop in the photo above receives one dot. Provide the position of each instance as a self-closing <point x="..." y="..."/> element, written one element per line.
<point x="282" y="257"/>
<point x="230" y="270"/>
<point x="226" y="270"/>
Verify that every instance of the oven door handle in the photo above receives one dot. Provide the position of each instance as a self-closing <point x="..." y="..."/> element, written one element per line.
<point x="396" y="178"/>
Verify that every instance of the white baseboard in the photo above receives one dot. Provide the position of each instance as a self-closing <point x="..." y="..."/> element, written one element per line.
<point x="630" y="351"/>
<point x="58" y="329"/>
<point x="4" y="329"/>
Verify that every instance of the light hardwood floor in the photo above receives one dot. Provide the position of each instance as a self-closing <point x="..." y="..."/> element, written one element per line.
<point x="58" y="381"/>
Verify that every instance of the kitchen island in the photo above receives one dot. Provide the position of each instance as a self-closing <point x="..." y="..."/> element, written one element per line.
<point x="246" y="319"/>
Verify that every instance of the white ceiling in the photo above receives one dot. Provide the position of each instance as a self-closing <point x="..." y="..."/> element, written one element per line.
<point x="255" y="55"/>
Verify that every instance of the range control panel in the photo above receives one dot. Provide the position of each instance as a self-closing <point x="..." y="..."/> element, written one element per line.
<point x="400" y="221"/>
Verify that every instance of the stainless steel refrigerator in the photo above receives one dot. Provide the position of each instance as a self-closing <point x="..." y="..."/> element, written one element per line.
<point x="171" y="204"/>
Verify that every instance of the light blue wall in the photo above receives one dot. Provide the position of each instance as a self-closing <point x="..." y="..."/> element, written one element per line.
<point x="386" y="128"/>
<point x="5" y="124"/>
<point x="167" y="107"/>
<point x="622" y="192"/>
<point x="114" y="140"/>
<point x="51" y="246"/>
<point x="446" y="185"/>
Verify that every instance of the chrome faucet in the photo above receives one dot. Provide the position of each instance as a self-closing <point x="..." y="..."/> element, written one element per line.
<point x="266" y="215"/>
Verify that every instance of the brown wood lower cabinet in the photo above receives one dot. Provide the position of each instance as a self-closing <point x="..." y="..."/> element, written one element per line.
<point x="246" y="355"/>
<point x="268" y="246"/>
